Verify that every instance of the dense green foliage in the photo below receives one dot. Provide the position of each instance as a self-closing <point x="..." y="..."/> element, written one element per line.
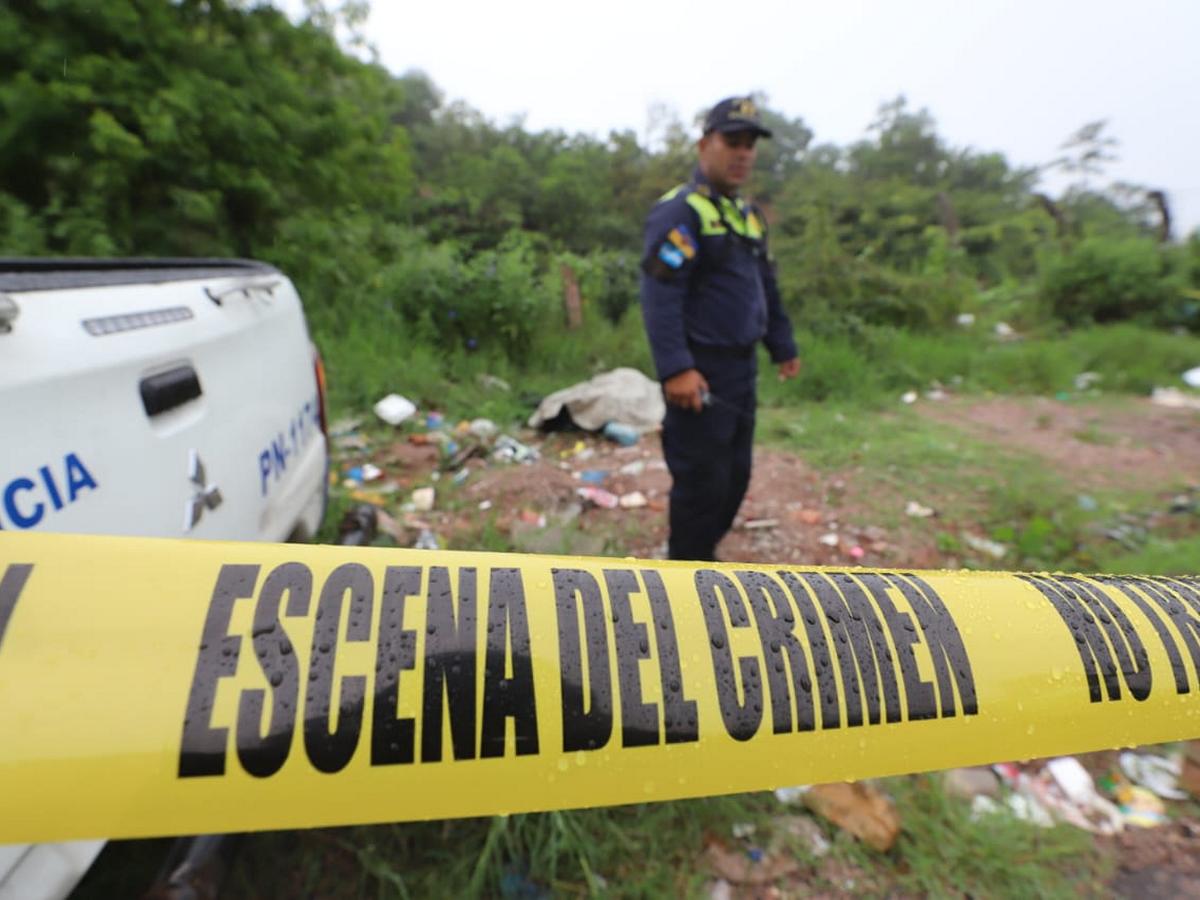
<point x="417" y="228"/>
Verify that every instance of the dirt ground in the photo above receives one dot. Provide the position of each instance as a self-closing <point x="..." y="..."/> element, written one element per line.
<point x="795" y="514"/>
<point x="1120" y="442"/>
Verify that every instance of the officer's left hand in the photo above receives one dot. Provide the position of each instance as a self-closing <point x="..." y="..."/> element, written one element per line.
<point x="789" y="368"/>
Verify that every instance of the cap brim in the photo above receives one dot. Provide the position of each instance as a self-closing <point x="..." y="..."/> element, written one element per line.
<point x="734" y="127"/>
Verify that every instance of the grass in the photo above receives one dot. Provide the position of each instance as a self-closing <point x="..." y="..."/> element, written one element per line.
<point x="647" y="850"/>
<point x="943" y="852"/>
<point x="656" y="850"/>
<point x="892" y="456"/>
<point x="1158" y="557"/>
<point x="868" y="369"/>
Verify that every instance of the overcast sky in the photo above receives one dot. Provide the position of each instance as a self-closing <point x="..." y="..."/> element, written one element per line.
<point x="1016" y="76"/>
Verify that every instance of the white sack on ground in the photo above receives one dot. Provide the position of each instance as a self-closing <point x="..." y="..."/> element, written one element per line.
<point x="622" y="395"/>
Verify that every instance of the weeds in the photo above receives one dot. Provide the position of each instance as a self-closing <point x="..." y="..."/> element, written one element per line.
<point x="947" y="853"/>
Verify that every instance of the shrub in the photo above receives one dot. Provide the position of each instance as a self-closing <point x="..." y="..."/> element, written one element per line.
<point x="1110" y="280"/>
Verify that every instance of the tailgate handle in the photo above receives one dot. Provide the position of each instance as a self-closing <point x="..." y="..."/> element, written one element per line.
<point x="169" y="389"/>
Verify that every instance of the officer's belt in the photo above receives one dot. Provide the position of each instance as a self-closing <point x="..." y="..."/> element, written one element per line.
<point x="723" y="351"/>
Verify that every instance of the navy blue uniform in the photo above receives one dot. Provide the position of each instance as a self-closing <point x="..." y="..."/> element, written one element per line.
<point x="708" y="297"/>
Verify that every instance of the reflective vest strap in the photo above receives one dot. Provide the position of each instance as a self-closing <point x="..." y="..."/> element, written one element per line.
<point x="738" y="216"/>
<point x="754" y="225"/>
<point x="710" y="218"/>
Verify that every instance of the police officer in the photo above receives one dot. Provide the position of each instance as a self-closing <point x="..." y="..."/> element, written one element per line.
<point x="708" y="297"/>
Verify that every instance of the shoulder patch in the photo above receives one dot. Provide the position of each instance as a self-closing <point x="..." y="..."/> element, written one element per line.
<point x="682" y="240"/>
<point x="672" y="256"/>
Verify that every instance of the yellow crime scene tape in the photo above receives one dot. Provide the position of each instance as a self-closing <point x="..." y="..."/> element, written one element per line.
<point x="156" y="687"/>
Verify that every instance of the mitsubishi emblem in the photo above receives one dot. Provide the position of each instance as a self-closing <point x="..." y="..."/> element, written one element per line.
<point x="204" y="496"/>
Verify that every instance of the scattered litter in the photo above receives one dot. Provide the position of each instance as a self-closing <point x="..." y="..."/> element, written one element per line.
<point x="1004" y="331"/>
<point x="1140" y="806"/>
<point x="461" y="475"/>
<point x="1130" y="536"/>
<point x="390" y="526"/>
<point x="1072" y="777"/>
<point x="1158" y="773"/>
<point x="511" y="450"/>
<point x="633" y="500"/>
<point x="635" y="468"/>
<point x="358" y="526"/>
<point x="422" y="499"/>
<point x="994" y="549"/>
<point x="1085" y="380"/>
<point x="371" y="472"/>
<point x="375" y="498"/>
<point x="829" y="539"/>
<point x="598" y="496"/>
<point x="720" y="890"/>
<point x="1183" y="503"/>
<point x="741" y="830"/>
<point x="856" y="552"/>
<point x="434" y="420"/>
<point x="426" y="541"/>
<point x="350" y="442"/>
<point x="1192" y="377"/>
<point x="485" y="505"/>
<point x="804" y="828"/>
<point x="394" y="409"/>
<point x="1019" y="805"/>
<point x="916" y="510"/>
<point x="514" y="885"/>
<point x="971" y="782"/>
<point x="345" y="427"/>
<point x="792" y="794"/>
<point x="909" y="397"/>
<point x="484" y="429"/>
<point x="459" y="459"/>
<point x="860" y="809"/>
<point x="592" y="476"/>
<point x="752" y="866"/>
<point x="1190" y="779"/>
<point x="1173" y="397"/>
<point x="494" y="383"/>
<point x="530" y="517"/>
<point x="1066" y="789"/>
<point x="760" y="524"/>
<point x="937" y="392"/>
<point x="625" y="435"/>
<point x="965" y="320"/>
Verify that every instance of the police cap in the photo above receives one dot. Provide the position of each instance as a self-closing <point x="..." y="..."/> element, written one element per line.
<point x="735" y="114"/>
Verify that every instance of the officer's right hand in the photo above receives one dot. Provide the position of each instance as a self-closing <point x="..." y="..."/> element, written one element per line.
<point x="686" y="389"/>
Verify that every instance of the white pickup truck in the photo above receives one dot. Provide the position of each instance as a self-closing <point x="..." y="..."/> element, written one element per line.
<point x="166" y="398"/>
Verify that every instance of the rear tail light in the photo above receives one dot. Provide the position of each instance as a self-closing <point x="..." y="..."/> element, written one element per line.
<point x="319" y="369"/>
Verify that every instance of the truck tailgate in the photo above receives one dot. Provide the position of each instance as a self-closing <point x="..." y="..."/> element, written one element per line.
<point x="186" y="407"/>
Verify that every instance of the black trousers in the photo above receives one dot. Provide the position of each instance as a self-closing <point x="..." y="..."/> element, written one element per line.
<point x="709" y="454"/>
